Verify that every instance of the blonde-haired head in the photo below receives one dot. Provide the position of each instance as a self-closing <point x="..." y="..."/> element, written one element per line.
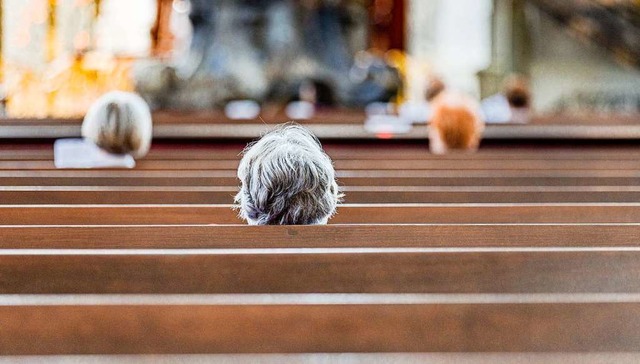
<point x="119" y="122"/>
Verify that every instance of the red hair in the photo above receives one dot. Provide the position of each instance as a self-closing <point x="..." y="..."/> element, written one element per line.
<point x="457" y="121"/>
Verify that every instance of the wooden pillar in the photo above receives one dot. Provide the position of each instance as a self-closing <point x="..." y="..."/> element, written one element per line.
<point x="398" y="25"/>
<point x="388" y="20"/>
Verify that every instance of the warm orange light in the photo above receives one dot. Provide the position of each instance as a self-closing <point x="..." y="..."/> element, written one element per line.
<point x="384" y="135"/>
<point x="66" y="85"/>
<point x="67" y="88"/>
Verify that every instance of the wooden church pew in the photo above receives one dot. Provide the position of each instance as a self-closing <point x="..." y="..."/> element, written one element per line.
<point x="346" y="214"/>
<point x="534" y="310"/>
<point x="345" y="178"/>
<point x="344" y="173"/>
<point x="417" y="164"/>
<point x="329" y="236"/>
<point x="350" y="358"/>
<point x="305" y="270"/>
<point x="21" y="195"/>
<point x="356" y="173"/>
<point x="217" y="151"/>
<point x="343" y="181"/>
<point x="170" y="324"/>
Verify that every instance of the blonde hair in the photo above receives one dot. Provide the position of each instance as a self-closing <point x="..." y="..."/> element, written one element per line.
<point x="119" y="122"/>
<point x="456" y="121"/>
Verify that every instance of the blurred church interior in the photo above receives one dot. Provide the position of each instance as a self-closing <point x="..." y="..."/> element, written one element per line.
<point x="220" y="60"/>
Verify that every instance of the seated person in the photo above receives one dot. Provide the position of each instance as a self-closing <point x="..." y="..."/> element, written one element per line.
<point x="435" y="87"/>
<point x="119" y="123"/>
<point x="455" y="123"/>
<point x="519" y="97"/>
<point x="287" y="179"/>
<point x="513" y="105"/>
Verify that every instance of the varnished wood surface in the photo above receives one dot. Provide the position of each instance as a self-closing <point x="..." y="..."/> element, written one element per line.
<point x="353" y="194"/>
<point x="346" y="178"/>
<point x="346" y="214"/>
<point x="312" y="323"/>
<point x="342" y="358"/>
<point x="545" y="287"/>
<point x="449" y="259"/>
<point x="329" y="236"/>
<point x="405" y="164"/>
<point x="52" y="129"/>
<point x="342" y="151"/>
<point x="411" y="166"/>
<point x="372" y="173"/>
<point x="382" y="270"/>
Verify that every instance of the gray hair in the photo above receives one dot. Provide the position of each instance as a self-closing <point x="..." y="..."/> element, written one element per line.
<point x="119" y="122"/>
<point x="287" y="179"/>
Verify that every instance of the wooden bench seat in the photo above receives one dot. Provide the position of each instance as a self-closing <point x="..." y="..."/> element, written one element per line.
<point x="353" y="164"/>
<point x="345" y="178"/>
<point x="372" y="173"/>
<point x="340" y="125"/>
<point x="330" y="236"/>
<point x="309" y="270"/>
<point x="347" y="214"/>
<point x="476" y="279"/>
<point x="23" y="195"/>
<point x="81" y="324"/>
<point x="163" y="150"/>
<point x="348" y="358"/>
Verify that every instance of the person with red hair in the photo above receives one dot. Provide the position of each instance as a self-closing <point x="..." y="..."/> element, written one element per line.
<point x="456" y="122"/>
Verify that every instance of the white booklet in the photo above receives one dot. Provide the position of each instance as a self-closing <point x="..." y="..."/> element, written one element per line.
<point x="496" y="109"/>
<point x="82" y="153"/>
<point x="417" y="112"/>
<point x="242" y="110"/>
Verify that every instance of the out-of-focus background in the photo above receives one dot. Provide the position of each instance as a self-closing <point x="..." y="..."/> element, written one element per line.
<point x="580" y="57"/>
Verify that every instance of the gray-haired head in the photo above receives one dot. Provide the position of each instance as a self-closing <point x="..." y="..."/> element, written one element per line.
<point x="119" y="122"/>
<point x="287" y="179"/>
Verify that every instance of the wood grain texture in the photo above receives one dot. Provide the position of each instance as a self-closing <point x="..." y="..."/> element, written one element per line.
<point x="347" y="214"/>
<point x="125" y="328"/>
<point x="386" y="270"/>
<point x="343" y="358"/>
<point x="177" y="179"/>
<point x="24" y="195"/>
<point x="372" y="173"/>
<point x="350" y="130"/>
<point x="417" y="164"/>
<point x="493" y="285"/>
<point x="163" y="150"/>
<point x="329" y="236"/>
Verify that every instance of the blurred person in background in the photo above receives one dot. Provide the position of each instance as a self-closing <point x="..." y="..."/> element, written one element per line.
<point x="456" y="122"/>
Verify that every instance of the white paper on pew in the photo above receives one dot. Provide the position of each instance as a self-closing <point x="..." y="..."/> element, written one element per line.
<point x="417" y="112"/>
<point x="300" y="110"/>
<point x="387" y="125"/>
<point x="496" y="109"/>
<point x="82" y="153"/>
<point x="242" y="110"/>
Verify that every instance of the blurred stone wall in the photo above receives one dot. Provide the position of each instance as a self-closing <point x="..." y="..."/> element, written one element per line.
<point x="563" y="67"/>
